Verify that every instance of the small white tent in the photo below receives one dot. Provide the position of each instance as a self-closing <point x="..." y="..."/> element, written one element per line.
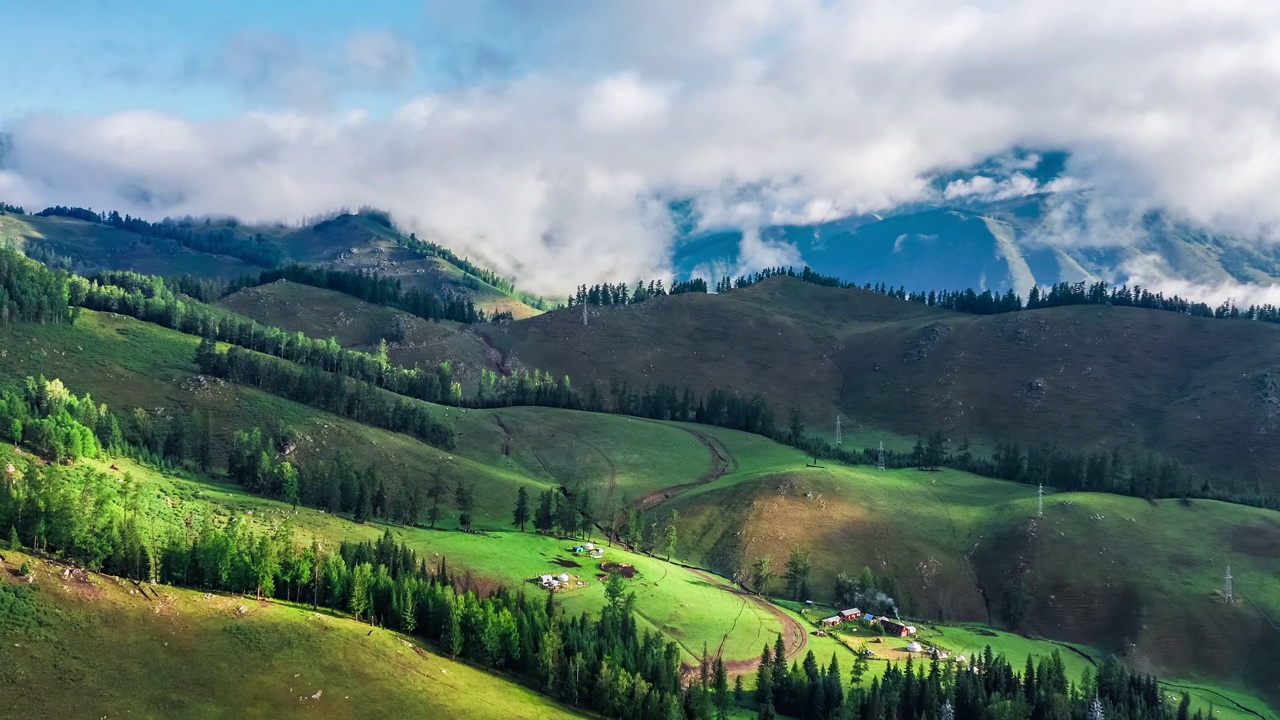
<point x="915" y="647"/>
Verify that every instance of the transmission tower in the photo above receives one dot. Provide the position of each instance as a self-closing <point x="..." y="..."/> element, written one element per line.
<point x="839" y="442"/>
<point x="1040" y="506"/>
<point x="948" y="711"/>
<point x="584" y="311"/>
<point x="880" y="462"/>
<point x="1095" y="709"/>
<point x="1227" y="595"/>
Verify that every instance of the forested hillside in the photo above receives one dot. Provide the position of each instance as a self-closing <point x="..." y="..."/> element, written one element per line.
<point x="1084" y="378"/>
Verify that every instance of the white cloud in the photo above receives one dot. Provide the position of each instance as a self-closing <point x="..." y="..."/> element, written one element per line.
<point x="1151" y="271"/>
<point x="621" y="103"/>
<point x="761" y="110"/>
<point x="380" y="57"/>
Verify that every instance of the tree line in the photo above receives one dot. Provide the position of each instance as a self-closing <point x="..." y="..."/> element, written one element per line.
<point x="599" y="663"/>
<point x="372" y="288"/>
<point x="30" y="292"/>
<point x="1060" y="294"/>
<point x="109" y="523"/>
<point x="223" y="238"/>
<point x="331" y="392"/>
<point x="1134" y="473"/>
<point x="618" y="294"/>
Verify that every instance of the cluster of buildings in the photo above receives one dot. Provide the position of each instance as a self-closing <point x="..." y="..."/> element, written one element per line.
<point x="895" y="628"/>
<point x="589" y="549"/>
<point x="554" y="581"/>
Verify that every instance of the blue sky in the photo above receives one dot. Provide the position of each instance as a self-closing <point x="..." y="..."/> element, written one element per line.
<point x="202" y="59"/>
<point x="546" y="135"/>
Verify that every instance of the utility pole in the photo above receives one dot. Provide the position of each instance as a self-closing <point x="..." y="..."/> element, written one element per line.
<point x="880" y="462"/>
<point x="839" y="442"/>
<point x="1228" y="596"/>
<point x="1040" y="507"/>
<point x="584" y="311"/>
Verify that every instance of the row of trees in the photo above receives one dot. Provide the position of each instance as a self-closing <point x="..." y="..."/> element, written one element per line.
<point x="373" y="288"/>
<point x="30" y="292"/>
<point x="618" y="294"/>
<point x="599" y="663"/>
<point x="332" y="392"/>
<point x="223" y="238"/>
<point x="109" y="523"/>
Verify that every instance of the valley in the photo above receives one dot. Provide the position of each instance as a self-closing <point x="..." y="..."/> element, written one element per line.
<point x="965" y="557"/>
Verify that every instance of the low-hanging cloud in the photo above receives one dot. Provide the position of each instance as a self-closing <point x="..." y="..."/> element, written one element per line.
<point x="560" y="174"/>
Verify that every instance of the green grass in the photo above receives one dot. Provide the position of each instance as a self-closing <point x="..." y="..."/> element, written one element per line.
<point x="93" y="647"/>
<point x="943" y="537"/>
<point x="128" y="363"/>
<point x="669" y="598"/>
<point x="1185" y="387"/>
<point x="1118" y="574"/>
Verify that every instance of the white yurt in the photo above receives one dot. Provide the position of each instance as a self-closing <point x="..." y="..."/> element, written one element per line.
<point x="915" y="647"/>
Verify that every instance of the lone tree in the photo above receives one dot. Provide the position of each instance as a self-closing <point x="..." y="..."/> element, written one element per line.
<point x="762" y="575"/>
<point x="464" y="496"/>
<point x="436" y="492"/>
<point x="798" y="574"/>
<point x="669" y="535"/>
<point x="522" y="509"/>
<point x="795" y="425"/>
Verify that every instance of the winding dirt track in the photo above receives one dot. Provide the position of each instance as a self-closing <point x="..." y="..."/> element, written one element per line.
<point x="795" y="638"/>
<point x="722" y="463"/>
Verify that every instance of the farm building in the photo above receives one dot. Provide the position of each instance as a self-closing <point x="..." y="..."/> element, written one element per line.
<point x="548" y="581"/>
<point x="850" y="614"/>
<point x="893" y="627"/>
<point x="831" y="621"/>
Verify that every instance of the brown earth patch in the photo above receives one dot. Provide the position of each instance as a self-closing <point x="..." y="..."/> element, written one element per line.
<point x="1259" y="540"/>
<point x="625" y="570"/>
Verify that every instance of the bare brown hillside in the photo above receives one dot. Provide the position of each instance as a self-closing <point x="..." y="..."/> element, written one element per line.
<point x="1204" y="391"/>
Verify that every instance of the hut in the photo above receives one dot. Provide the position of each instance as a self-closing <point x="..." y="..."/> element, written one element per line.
<point x="893" y="627"/>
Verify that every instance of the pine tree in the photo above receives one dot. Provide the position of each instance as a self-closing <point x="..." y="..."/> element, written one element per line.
<point x="465" y="498"/>
<point x="543" y="519"/>
<point x="14" y="543"/>
<point x="669" y="534"/>
<point x="521" y="514"/>
<point x="721" y="685"/>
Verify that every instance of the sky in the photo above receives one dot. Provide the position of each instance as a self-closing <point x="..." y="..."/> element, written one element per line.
<point x="547" y="138"/>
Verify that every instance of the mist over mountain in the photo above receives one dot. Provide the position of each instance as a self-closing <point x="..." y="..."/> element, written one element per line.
<point x="1013" y="221"/>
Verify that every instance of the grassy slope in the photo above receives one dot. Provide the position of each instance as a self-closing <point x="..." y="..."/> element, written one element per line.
<point x="669" y="598"/>
<point x="355" y="324"/>
<point x="127" y="363"/>
<point x="1118" y="574"/>
<point x="330" y="243"/>
<point x="93" y="647"/>
<point x="375" y="250"/>
<point x="1197" y="389"/>
<point x="94" y="247"/>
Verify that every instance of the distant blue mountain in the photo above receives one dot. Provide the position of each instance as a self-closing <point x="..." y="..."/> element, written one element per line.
<point x="1010" y="222"/>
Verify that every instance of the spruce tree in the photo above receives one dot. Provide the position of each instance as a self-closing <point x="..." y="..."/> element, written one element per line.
<point x="521" y="514"/>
